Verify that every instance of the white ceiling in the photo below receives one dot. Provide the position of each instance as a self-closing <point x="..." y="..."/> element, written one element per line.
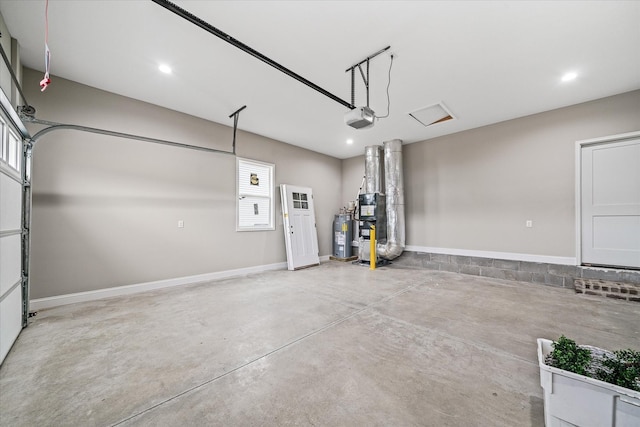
<point x="486" y="61"/>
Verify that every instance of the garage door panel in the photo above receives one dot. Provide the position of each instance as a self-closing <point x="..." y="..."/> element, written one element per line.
<point x="10" y="319"/>
<point x="10" y="253"/>
<point x="11" y="201"/>
<point x="12" y="309"/>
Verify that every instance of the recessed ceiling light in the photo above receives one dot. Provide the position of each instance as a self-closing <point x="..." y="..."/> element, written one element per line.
<point x="349" y="141"/>
<point x="569" y="76"/>
<point x="164" y="68"/>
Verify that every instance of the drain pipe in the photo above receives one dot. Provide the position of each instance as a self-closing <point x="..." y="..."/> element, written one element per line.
<point x="394" y="187"/>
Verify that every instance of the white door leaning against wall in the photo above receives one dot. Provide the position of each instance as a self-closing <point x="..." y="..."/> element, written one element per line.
<point x="300" y="234"/>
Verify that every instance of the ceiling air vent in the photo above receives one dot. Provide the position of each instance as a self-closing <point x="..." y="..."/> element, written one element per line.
<point x="432" y="114"/>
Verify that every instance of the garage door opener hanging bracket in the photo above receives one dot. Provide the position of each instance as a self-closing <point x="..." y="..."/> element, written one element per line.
<point x="236" y="116"/>
<point x="365" y="79"/>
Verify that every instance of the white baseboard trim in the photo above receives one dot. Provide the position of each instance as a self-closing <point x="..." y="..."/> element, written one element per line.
<point x="48" y="302"/>
<point x="496" y="255"/>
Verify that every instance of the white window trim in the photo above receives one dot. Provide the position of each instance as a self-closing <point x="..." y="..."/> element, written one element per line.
<point x="4" y="143"/>
<point x="239" y="196"/>
<point x="10" y="167"/>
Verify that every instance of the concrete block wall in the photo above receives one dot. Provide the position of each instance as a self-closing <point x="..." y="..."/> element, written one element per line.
<point x="582" y="279"/>
<point x="523" y="271"/>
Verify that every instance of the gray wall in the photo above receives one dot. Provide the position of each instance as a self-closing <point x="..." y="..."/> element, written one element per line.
<point x="5" y="75"/>
<point x="105" y="209"/>
<point x="474" y="190"/>
<point x="12" y="50"/>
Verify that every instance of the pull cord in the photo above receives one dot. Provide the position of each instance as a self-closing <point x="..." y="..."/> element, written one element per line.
<point x="46" y="81"/>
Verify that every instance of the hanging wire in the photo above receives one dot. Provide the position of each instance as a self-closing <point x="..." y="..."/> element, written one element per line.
<point x="47" y="53"/>
<point x="388" y="97"/>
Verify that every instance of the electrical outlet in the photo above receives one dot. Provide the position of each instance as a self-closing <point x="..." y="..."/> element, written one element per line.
<point x="180" y="223"/>
<point x="529" y="223"/>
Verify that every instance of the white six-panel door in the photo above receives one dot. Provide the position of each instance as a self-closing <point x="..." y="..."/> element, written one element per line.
<point x="610" y="207"/>
<point x="300" y="234"/>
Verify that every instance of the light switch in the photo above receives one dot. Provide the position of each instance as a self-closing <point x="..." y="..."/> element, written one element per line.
<point x="180" y="223"/>
<point x="529" y="223"/>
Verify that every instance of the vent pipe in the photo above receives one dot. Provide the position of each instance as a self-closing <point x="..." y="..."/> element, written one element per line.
<point x="373" y="169"/>
<point x="395" y="200"/>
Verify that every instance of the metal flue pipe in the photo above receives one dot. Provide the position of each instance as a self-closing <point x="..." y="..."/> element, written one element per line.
<point x="373" y="169"/>
<point x="394" y="187"/>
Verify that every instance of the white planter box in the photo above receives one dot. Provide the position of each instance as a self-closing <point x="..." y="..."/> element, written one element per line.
<point x="575" y="400"/>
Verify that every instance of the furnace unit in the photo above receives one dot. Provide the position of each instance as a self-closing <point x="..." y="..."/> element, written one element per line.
<point x="373" y="211"/>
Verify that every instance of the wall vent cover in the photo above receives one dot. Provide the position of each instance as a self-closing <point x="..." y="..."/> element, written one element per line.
<point x="432" y="114"/>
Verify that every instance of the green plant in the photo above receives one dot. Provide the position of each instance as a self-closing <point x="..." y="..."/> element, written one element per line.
<point x="623" y="369"/>
<point x="567" y="355"/>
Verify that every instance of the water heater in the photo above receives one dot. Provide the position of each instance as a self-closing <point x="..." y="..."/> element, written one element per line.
<point x="342" y="235"/>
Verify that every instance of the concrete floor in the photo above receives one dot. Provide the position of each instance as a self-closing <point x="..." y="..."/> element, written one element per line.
<point x="332" y="345"/>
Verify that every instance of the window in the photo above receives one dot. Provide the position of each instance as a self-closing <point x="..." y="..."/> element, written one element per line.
<point x="14" y="151"/>
<point x="255" y="208"/>
<point x="4" y="145"/>
<point x="300" y="201"/>
<point x="10" y="148"/>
